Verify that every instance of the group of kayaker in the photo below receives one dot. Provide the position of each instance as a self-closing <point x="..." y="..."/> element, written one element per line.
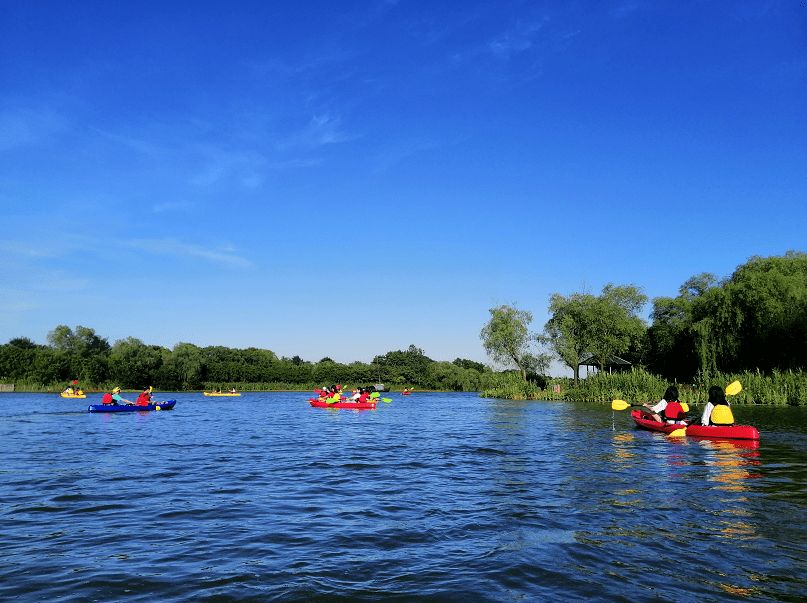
<point x="328" y="393"/>
<point x="670" y="410"/>
<point x="71" y="392"/>
<point x="144" y="399"/>
<point x="335" y="392"/>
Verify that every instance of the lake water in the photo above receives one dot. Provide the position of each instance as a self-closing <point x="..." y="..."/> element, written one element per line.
<point x="435" y="497"/>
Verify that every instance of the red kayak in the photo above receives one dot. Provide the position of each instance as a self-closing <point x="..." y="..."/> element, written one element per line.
<point x="341" y="404"/>
<point x="735" y="432"/>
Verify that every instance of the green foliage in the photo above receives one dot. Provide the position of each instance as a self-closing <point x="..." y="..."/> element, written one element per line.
<point x="410" y="366"/>
<point x="604" y="326"/>
<point x="470" y="364"/>
<point x="508" y="341"/>
<point x="132" y="364"/>
<point x="756" y="319"/>
<point x="510" y="385"/>
<point x="636" y="385"/>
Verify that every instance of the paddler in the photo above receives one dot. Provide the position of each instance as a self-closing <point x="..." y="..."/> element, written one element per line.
<point x="114" y="398"/>
<point x="668" y="409"/>
<point x="717" y="410"/>
<point x="144" y="399"/>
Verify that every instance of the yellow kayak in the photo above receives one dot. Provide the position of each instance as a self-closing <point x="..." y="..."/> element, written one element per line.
<point x="222" y="394"/>
<point x="64" y="395"/>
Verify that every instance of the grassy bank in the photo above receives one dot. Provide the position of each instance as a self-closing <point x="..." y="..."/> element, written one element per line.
<point x="778" y="388"/>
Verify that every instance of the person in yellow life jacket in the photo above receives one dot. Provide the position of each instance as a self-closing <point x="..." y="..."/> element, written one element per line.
<point x="668" y="409"/>
<point x="717" y="410"/>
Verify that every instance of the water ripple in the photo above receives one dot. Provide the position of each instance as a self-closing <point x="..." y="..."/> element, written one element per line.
<point x="443" y="497"/>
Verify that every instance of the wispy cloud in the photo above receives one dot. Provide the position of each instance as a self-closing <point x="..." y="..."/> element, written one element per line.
<point x="223" y="256"/>
<point x="142" y="146"/>
<point x="321" y="130"/>
<point x="402" y="151"/>
<point x="28" y="125"/>
<point x="55" y="246"/>
<point x="246" y="167"/>
<point x="171" y="206"/>
<point x="516" y="40"/>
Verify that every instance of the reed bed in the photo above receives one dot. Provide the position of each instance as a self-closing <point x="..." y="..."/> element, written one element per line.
<point x="779" y="388"/>
<point x="510" y="386"/>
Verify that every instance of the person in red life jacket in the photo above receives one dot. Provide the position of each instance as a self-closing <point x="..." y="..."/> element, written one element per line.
<point x="144" y="399"/>
<point x="114" y="398"/>
<point x="668" y="409"/>
<point x="363" y="396"/>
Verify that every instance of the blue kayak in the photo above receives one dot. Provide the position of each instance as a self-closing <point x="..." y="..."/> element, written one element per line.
<point x="167" y="405"/>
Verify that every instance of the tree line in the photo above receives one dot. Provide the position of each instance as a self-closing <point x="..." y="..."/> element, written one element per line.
<point x="753" y="320"/>
<point x="83" y="355"/>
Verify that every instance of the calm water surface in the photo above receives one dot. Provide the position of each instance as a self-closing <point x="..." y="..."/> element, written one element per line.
<point x="434" y="497"/>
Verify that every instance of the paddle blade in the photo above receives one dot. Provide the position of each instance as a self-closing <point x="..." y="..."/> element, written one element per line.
<point x="678" y="433"/>
<point x="684" y="406"/>
<point x="734" y="388"/>
<point x="387" y="399"/>
<point x="76" y="381"/>
<point x="619" y="405"/>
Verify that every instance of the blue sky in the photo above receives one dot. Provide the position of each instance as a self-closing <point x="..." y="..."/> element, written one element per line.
<point x="345" y="178"/>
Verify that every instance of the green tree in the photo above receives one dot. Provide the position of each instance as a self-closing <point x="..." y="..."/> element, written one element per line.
<point x="566" y="331"/>
<point x="410" y="365"/>
<point x="133" y="364"/>
<point x="187" y="360"/>
<point x="615" y="323"/>
<point x="469" y="364"/>
<point x="757" y="318"/>
<point x="582" y="324"/>
<point x="24" y="343"/>
<point x="508" y="340"/>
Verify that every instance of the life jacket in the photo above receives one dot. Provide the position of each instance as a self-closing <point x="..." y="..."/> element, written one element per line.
<point x="107" y="399"/>
<point x="721" y="415"/>
<point x="674" y="412"/>
<point x="142" y="400"/>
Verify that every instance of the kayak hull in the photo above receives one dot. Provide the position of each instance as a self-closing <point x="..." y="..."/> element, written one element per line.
<point x="734" y="432"/>
<point x="167" y="405"/>
<point x="74" y="395"/>
<point x="215" y="394"/>
<point x="354" y="405"/>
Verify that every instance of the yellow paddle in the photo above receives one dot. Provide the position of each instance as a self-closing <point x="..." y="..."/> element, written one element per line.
<point x="622" y="405"/>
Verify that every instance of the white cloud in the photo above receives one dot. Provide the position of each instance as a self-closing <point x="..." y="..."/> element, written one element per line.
<point x="321" y="130"/>
<point x="224" y="256"/>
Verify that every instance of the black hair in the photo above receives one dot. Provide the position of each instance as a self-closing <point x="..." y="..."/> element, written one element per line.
<point x="671" y="395"/>
<point x="717" y="395"/>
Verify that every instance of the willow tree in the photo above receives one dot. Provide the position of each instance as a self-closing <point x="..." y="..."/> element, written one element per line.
<point x="508" y="340"/>
<point x="757" y="318"/>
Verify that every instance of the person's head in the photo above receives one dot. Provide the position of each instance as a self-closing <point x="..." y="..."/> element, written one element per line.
<point x="717" y="395"/>
<point x="116" y="390"/>
<point x="671" y="395"/>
